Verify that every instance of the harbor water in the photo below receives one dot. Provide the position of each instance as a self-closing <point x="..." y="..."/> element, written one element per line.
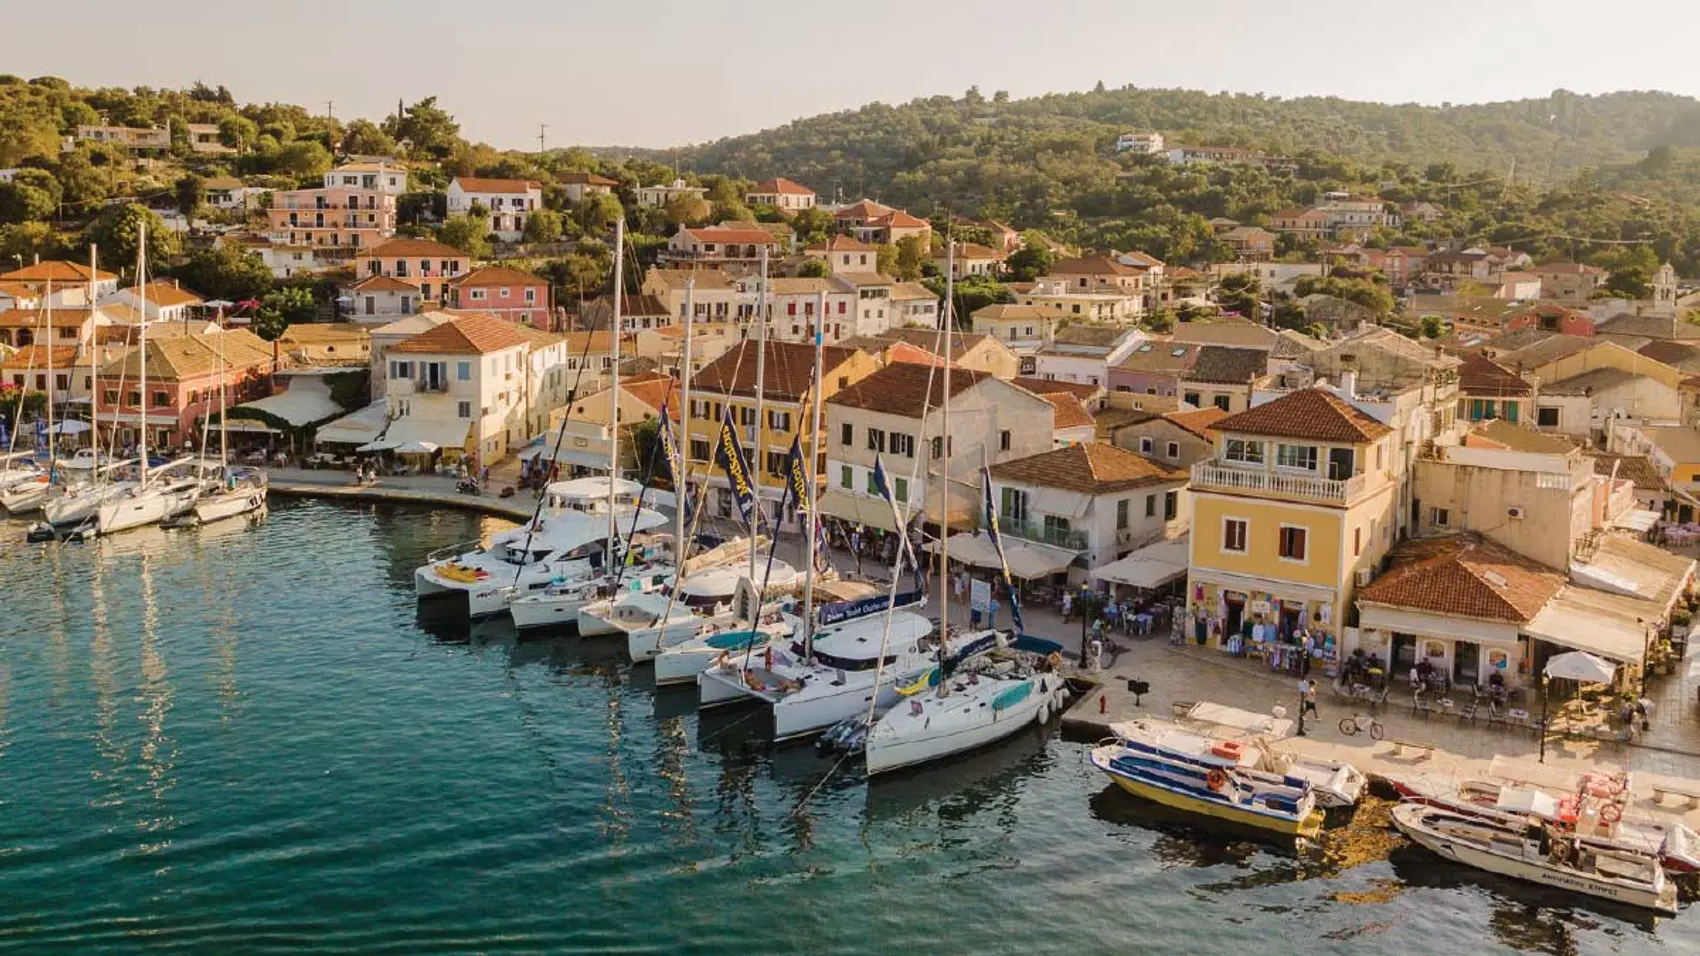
<point x="246" y="739"/>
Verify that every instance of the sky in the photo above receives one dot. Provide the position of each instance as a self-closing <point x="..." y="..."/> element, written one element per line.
<point x="666" y="73"/>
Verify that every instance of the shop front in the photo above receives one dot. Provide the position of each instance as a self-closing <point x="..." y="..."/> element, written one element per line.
<point x="1463" y="651"/>
<point x="1263" y="618"/>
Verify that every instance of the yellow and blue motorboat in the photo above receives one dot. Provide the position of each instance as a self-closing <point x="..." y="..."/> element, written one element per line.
<point x="1187" y="774"/>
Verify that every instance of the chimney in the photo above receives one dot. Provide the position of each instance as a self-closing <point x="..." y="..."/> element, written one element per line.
<point x="1349" y="384"/>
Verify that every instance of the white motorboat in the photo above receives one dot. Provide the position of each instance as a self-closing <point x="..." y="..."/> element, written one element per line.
<point x="844" y="677"/>
<point x="710" y="588"/>
<point x="25" y="493"/>
<point x="559" y="603"/>
<point x="568" y="541"/>
<point x="84" y="459"/>
<point x="147" y="504"/>
<point x="1254" y="736"/>
<point x="1534" y="854"/>
<point x="985" y="699"/>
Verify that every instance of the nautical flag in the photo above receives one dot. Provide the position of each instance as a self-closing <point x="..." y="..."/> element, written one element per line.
<point x="997" y="544"/>
<point x="823" y="547"/>
<point x="670" y="450"/>
<point x="904" y="551"/>
<point x="797" y="475"/>
<point x="5" y="436"/>
<point x="730" y="455"/>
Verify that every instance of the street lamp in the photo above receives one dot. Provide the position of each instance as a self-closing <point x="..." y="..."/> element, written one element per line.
<point x="1545" y="697"/>
<point x="1089" y="604"/>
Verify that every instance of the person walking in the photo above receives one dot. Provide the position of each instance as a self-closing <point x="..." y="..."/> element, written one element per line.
<point x="1307" y="692"/>
<point x="1306" y="646"/>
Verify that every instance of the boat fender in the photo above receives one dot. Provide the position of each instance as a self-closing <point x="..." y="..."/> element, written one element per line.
<point x="1055" y="660"/>
<point x="1611" y="813"/>
<point x="1043" y="714"/>
<point x="1216" y="779"/>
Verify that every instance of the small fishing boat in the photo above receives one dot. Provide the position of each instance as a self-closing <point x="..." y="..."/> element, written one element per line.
<point x="1191" y="772"/>
<point x="1336" y="783"/>
<point x="1533" y="853"/>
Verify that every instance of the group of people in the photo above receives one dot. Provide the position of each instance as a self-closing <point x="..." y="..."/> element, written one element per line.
<point x="1130" y="616"/>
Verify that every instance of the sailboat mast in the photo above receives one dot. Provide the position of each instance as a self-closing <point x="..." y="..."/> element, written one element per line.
<point x="223" y="429"/>
<point x="944" y="483"/>
<point x="681" y="494"/>
<point x="761" y="372"/>
<point x="94" y="371"/>
<point x="813" y="452"/>
<point x="142" y="343"/>
<point x="614" y="387"/>
<point x="50" y="382"/>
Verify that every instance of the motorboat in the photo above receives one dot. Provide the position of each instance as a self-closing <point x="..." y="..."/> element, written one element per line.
<point x="679" y="661"/>
<point x="1336" y="783"/>
<point x="1535" y="853"/>
<point x="1196" y="774"/>
<point x="558" y="604"/>
<point x="985" y="699"/>
<point x="239" y="491"/>
<point x="845" y="675"/>
<point x="84" y="459"/>
<point x="566" y="541"/>
<point x="1598" y="815"/>
<point x="25" y="493"/>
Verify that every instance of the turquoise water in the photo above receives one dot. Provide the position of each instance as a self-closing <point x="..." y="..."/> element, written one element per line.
<point x="244" y="740"/>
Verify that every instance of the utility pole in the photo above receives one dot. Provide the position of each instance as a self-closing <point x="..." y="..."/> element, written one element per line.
<point x="542" y="130"/>
<point x="330" y="107"/>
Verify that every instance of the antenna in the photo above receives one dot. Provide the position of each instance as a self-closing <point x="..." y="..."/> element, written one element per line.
<point x="542" y="129"/>
<point x="330" y="107"/>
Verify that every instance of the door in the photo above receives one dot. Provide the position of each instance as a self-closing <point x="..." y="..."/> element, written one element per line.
<point x="1339" y="464"/>
<point x="1404" y="654"/>
<point x="1236" y="615"/>
<point x="1466" y="662"/>
<point x="371" y="305"/>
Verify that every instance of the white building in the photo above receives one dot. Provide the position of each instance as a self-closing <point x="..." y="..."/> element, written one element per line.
<point x="1148" y="143"/>
<point x="508" y="201"/>
<point x="659" y="195"/>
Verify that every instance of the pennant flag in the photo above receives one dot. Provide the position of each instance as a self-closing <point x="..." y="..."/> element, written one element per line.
<point x="797" y="475"/>
<point x="670" y="450"/>
<point x="730" y="456"/>
<point x="997" y="544"/>
<point x="883" y="486"/>
<point x="823" y="546"/>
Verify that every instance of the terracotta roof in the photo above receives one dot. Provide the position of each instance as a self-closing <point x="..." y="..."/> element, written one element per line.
<point x="904" y="389"/>
<point x="706" y="279"/>
<point x="58" y="270"/>
<point x="789" y="368"/>
<point x="1516" y="339"/>
<point x="1069" y="412"/>
<point x="1678" y="355"/>
<point x="1312" y="413"/>
<point x="961" y="343"/>
<point x="781" y="186"/>
<point x="1092" y="468"/>
<point x="473" y="184"/>
<point x="723" y="234"/>
<point x="1545" y="351"/>
<point x="1006" y="312"/>
<point x="591" y="343"/>
<point x="18" y="290"/>
<point x="1569" y="268"/>
<point x="584" y="179"/>
<point x="783" y="285"/>
<point x="1500" y="433"/>
<point x="842" y="244"/>
<point x="164" y="294"/>
<point x="1483" y="376"/>
<point x="1166" y="358"/>
<point x="305" y="333"/>
<point x="970" y="250"/>
<point x="911" y="291"/>
<point x="1093" y="265"/>
<point x="377" y="283"/>
<point x="898" y="219"/>
<point x="497" y="276"/>
<point x="1589" y="382"/>
<point x="1200" y="422"/>
<point x="1636" y="468"/>
<point x="1046" y="386"/>
<point x="1144" y="259"/>
<point x="467" y="334"/>
<point x="862" y="209"/>
<point x="1223" y="365"/>
<point x="413" y="247"/>
<point x="37" y="356"/>
<point x="1464" y="576"/>
<point x="1651" y="326"/>
<point x="630" y="304"/>
<point x="186" y="356"/>
<point x="653" y="388"/>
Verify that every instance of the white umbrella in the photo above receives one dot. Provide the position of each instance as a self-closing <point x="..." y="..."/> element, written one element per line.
<point x="70" y="427"/>
<point x="1582" y="666"/>
<point x="416" y="448"/>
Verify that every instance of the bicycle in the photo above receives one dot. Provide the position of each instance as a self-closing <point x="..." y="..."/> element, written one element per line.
<point x="1350" y="726"/>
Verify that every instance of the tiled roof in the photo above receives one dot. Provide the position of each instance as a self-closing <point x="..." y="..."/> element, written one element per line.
<point x="1143" y="259"/>
<point x="164" y="294"/>
<point x="1482" y="376"/>
<point x="1290" y="343"/>
<point x="842" y="244"/>
<point x="630" y="304"/>
<point x="805" y="285"/>
<point x="37" y="356"/>
<point x="467" y="334"/>
<point x="584" y="179"/>
<point x="1678" y="355"/>
<point x="1680" y="443"/>
<point x="305" y="333"/>
<point x="898" y="219"/>
<point x="591" y="343"/>
<point x="1636" y="468"/>
<point x="903" y="389"/>
<point x="911" y="291"/>
<point x="1547" y="350"/>
<point x="970" y="250"/>
<point x="1069" y="412"/>
<point x="1568" y="268"/>
<point x="1002" y="311"/>
<point x="497" y="276"/>
<point x="790" y="366"/>
<point x="1221" y="364"/>
<point x="1651" y="326"/>
<point x="1517" y="339"/>
<point x="378" y="283"/>
<point x="723" y="234"/>
<point x="961" y="343"/>
<point x="1313" y="413"/>
<point x="1503" y="434"/>
<point x="1589" y="382"/>
<point x="705" y="279"/>
<point x="863" y="209"/>
<point x="1093" y="265"/>
<point x="429" y="248"/>
<point x="781" y="186"/>
<point x="1464" y="576"/>
<point x="1046" y="386"/>
<point x="652" y="390"/>
<point x="860" y="279"/>
<point x="1092" y="468"/>
<point x="185" y="356"/>
<point x="1200" y="422"/>
<point x="1226" y="330"/>
<point x="1168" y="358"/>
<point x="18" y="290"/>
<point x="473" y="184"/>
<point x="58" y="270"/>
<point x="222" y="182"/>
<point x="1090" y="336"/>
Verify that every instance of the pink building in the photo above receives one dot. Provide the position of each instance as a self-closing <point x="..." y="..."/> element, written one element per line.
<point x="355" y="209"/>
<point x="509" y="294"/>
<point x="183" y="384"/>
<point x="425" y="264"/>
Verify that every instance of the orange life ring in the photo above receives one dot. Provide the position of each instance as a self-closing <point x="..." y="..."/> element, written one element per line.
<point x="1611" y="813"/>
<point x="1216" y="779"/>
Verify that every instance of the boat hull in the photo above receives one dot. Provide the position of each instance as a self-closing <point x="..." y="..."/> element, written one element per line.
<point x="818" y="707"/>
<point x="220" y="507"/>
<point x="25" y="497"/>
<point x="1308" y="825"/>
<point x="542" y="610"/>
<point x="904" y="738"/>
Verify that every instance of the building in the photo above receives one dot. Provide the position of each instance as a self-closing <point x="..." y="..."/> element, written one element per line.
<point x="1071" y="422"/>
<point x="1230" y="330"/>
<point x="1421" y="211"/>
<point x="384" y="337"/>
<point x="581" y="430"/>
<point x="1223" y="377"/>
<point x="1289" y="518"/>
<point x="578" y="186"/>
<point x="896" y="415"/>
<point x="164" y="302"/>
<point x="355" y="209"/>
<point x="229" y="194"/>
<point x="136" y="140"/>
<point x="970" y="259"/>
<point x="1148" y="143"/>
<point x="787" y="397"/>
<point x="57" y="275"/>
<point x="1250" y="243"/>
<point x="1300" y="223"/>
<point x="637" y="312"/>
<point x="872" y="222"/>
<point x="914" y="304"/>
<point x="1177" y="439"/>
<point x="505" y="293"/>
<point x="53" y="370"/>
<point x="1089" y="504"/>
<point x="660" y="195"/>
<point x="508" y="202"/>
<point x="782" y="194"/>
<point x="845" y="254"/>
<point x="980" y="353"/>
<point x="1570" y="283"/>
<point x="1065" y="301"/>
<point x="1488" y="390"/>
<point x="379" y="299"/>
<point x="184" y="376"/>
<point x="326" y="343"/>
<point x="874" y="311"/>
<point x="715" y="296"/>
<point x="1151" y="372"/>
<point x="1026" y="329"/>
<point x="424" y="264"/>
<point x="794" y="304"/>
<point x="721" y="245"/>
<point x="204" y="140"/>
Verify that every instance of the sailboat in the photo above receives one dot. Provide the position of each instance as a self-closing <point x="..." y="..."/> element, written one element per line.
<point x="25" y="486"/>
<point x="79" y="500"/>
<point x="240" y="491"/>
<point x="146" y="503"/>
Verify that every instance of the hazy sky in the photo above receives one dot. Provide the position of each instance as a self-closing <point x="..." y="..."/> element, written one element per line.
<point x="665" y="73"/>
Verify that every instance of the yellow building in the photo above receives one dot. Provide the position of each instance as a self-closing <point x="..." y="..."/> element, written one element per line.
<point x="1290" y="516"/>
<point x="787" y="410"/>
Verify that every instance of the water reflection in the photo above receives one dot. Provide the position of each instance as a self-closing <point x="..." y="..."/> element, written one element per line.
<point x="158" y="752"/>
<point x="959" y="788"/>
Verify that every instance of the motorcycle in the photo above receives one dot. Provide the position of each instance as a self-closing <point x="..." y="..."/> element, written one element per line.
<point x="468" y="486"/>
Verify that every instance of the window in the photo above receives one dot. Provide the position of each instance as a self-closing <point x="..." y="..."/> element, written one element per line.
<point x="1511" y="412"/>
<point x="846" y="477"/>
<point x="1357" y="541"/>
<point x="1296" y="456"/>
<point x="161" y="399"/>
<point x="876" y="439"/>
<point x="900" y="489"/>
<point x="1220" y="401"/>
<point x="1291" y="545"/>
<point x="1150" y="506"/>
<point x="776" y="462"/>
<point x="1014" y="505"/>
<point x="1121" y="514"/>
<point x="1003" y="440"/>
<point x="477" y="295"/>
<point x="1172" y="450"/>
<point x="778" y="421"/>
<point x="699" y="449"/>
<point x="1439" y="517"/>
<point x="938" y="448"/>
<point x="902" y="444"/>
<point x="1547" y="417"/>
<point x="873" y="486"/>
<point x="463" y="371"/>
<point x="1171" y="505"/>
<point x="1241" y="450"/>
<point x="530" y="296"/>
<point x="1234" y="535"/>
<point x="1192" y="398"/>
<point x="847" y="434"/>
<point x="463" y="409"/>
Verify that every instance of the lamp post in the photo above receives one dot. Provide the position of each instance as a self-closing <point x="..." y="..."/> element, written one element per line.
<point x="1544" y="699"/>
<point x="1088" y="603"/>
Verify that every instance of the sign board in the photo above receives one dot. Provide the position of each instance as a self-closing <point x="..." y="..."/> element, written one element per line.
<point x="980" y="595"/>
<point x="1259" y="607"/>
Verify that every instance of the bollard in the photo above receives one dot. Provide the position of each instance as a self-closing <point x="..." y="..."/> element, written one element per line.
<point x="1103" y="703"/>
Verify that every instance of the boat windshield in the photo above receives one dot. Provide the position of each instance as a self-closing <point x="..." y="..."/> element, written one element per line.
<point x="851" y="663"/>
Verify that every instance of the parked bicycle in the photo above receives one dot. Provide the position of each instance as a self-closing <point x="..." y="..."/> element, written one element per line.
<point x="1353" y="725"/>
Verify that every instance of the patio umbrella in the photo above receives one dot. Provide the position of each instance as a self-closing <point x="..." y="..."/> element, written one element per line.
<point x="70" y="427"/>
<point x="416" y="448"/>
<point x="1580" y="666"/>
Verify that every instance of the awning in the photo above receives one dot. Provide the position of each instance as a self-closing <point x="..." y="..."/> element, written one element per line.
<point x="1636" y="520"/>
<point x="1027" y="559"/>
<point x="356" y="428"/>
<point x="447" y="434"/>
<point x="858" y="509"/>
<point x="1624" y="566"/>
<point x="568" y="456"/>
<point x="1151" y="566"/>
<point x="1600" y="623"/>
<point x="248" y="427"/>
<point x="132" y="418"/>
<point x="307" y="400"/>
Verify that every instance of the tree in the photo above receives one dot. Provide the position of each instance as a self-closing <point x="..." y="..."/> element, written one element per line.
<point x="85" y="182"/>
<point x="580" y="274"/>
<point x="812" y="224"/>
<point x="731" y="211"/>
<point x="24" y="201"/>
<point x="466" y="234"/>
<point x="364" y="138"/>
<point x="685" y="209"/>
<point x="1160" y="321"/>
<point x="226" y="271"/>
<point x="598" y="212"/>
<point x="428" y="128"/>
<point x="191" y="192"/>
<point x="972" y="293"/>
<point x="1031" y="261"/>
<point x="1432" y="327"/>
<point x="885" y="259"/>
<point x="179" y="137"/>
<point x="543" y="225"/>
<point x="117" y="232"/>
<point x="305" y="159"/>
<point x="281" y="308"/>
<point x="1238" y="292"/>
<point x="912" y="253"/>
<point x="812" y="268"/>
<point x="22" y="242"/>
<point x="647" y="452"/>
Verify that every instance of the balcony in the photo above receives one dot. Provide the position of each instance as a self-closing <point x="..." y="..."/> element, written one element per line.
<point x="426" y="385"/>
<point x="1074" y="539"/>
<point x="1275" y="484"/>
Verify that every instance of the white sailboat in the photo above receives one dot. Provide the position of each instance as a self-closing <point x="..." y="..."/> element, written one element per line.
<point x="78" y="501"/>
<point x="238" y="491"/>
<point x="25" y="485"/>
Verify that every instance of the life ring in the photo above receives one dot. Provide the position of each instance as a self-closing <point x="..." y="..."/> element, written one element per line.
<point x="1055" y="660"/>
<point x="1611" y="813"/>
<point x="1216" y="779"/>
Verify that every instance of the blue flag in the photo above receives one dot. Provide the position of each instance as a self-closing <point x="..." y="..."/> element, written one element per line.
<point x="797" y="475"/>
<point x="997" y="544"/>
<point x="905" y="552"/>
<point x="730" y="455"/>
